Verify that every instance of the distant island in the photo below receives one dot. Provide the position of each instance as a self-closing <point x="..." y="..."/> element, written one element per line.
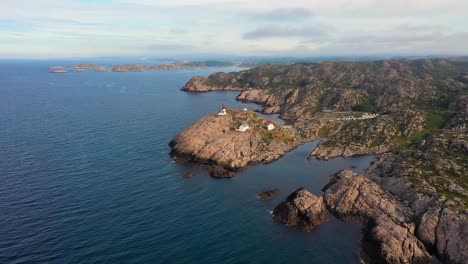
<point x="127" y="67"/>
<point x="411" y="114"/>
<point x="241" y="62"/>
<point x="57" y="69"/>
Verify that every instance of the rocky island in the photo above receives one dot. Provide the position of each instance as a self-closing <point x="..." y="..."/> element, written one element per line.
<point x="138" y="68"/>
<point x="57" y="69"/>
<point x="128" y="67"/>
<point x="412" y="114"/>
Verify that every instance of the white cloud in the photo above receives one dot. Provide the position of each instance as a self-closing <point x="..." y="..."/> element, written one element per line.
<point x="234" y="26"/>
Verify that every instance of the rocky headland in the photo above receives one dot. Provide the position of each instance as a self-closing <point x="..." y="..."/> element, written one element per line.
<point x="214" y="141"/>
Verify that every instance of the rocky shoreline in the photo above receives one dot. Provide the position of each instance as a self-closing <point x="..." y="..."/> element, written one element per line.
<point x="214" y="142"/>
<point x="393" y="232"/>
<point x="413" y="200"/>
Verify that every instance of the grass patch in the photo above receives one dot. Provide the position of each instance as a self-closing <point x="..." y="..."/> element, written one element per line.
<point x="376" y="143"/>
<point x="268" y="137"/>
<point x="324" y="131"/>
<point x="367" y="105"/>
<point x="406" y="142"/>
<point x="435" y="120"/>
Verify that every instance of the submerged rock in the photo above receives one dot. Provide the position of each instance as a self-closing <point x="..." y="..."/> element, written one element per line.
<point x="189" y="174"/>
<point x="218" y="172"/>
<point x="265" y="195"/>
<point x="301" y="208"/>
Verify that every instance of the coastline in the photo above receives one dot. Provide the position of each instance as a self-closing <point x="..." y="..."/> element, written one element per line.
<point x="446" y="252"/>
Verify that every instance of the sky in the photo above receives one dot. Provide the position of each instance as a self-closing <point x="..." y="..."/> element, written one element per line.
<point x="101" y="28"/>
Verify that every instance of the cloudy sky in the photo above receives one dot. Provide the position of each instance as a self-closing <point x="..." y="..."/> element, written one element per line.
<point x="87" y="28"/>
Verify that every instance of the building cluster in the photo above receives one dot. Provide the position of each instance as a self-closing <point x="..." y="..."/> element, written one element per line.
<point x="244" y="126"/>
<point x="348" y="118"/>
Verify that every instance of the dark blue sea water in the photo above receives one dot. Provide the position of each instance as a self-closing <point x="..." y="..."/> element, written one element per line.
<point x="85" y="177"/>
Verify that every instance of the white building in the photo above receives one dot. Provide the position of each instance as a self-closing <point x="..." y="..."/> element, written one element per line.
<point x="270" y="126"/>
<point x="222" y="112"/>
<point x="243" y="127"/>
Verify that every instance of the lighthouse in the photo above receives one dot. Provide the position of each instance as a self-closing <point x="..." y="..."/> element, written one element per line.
<point x="223" y="110"/>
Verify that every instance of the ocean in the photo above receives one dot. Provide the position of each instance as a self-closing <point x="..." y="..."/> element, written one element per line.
<point x="85" y="177"/>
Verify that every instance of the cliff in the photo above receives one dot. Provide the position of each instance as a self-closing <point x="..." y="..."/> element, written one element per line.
<point x="393" y="232"/>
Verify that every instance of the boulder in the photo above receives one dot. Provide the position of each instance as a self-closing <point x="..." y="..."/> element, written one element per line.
<point x="301" y="208"/>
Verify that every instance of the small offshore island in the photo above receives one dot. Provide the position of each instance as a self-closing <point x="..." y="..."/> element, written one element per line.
<point x="128" y="67"/>
<point x="412" y="114"/>
<point x="171" y="66"/>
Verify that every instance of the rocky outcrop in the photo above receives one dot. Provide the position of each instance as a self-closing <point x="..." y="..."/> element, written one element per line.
<point x="345" y="99"/>
<point x="459" y="103"/>
<point x="393" y="233"/>
<point x="445" y="232"/>
<point x="202" y="84"/>
<point x="214" y="140"/>
<point x="384" y="241"/>
<point x="301" y="208"/>
<point x="220" y="172"/>
<point x="423" y="172"/>
<point x="268" y="194"/>
<point x="260" y="97"/>
<point x="451" y="237"/>
<point x="369" y="136"/>
<point x="458" y="123"/>
<point x="430" y="171"/>
<point x="353" y="195"/>
<point x="389" y="236"/>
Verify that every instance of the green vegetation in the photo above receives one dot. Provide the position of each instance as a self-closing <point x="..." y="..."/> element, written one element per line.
<point x="368" y="105"/>
<point x="267" y="137"/>
<point x="324" y="131"/>
<point x="435" y="120"/>
<point x="405" y="142"/>
<point x="376" y="143"/>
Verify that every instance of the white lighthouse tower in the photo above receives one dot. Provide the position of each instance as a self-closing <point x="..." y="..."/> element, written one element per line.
<point x="223" y="110"/>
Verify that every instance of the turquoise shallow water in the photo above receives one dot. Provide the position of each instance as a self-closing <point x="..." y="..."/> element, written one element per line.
<point x="85" y="177"/>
